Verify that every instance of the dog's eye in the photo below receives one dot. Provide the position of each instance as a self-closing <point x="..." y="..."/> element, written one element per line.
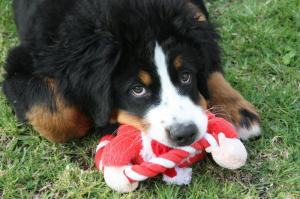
<point x="139" y="91"/>
<point x="186" y="78"/>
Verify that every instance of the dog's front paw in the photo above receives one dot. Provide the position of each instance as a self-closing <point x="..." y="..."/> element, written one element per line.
<point x="228" y="103"/>
<point x="242" y="114"/>
<point x="245" y="118"/>
<point x="248" y="125"/>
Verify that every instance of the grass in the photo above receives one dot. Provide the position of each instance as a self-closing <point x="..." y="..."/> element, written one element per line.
<point x="261" y="58"/>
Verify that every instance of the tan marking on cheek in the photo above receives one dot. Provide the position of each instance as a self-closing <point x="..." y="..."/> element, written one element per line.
<point x="123" y="117"/>
<point x="61" y="124"/>
<point x="114" y="117"/>
<point x="203" y="102"/>
<point x="178" y="62"/>
<point x="145" y="77"/>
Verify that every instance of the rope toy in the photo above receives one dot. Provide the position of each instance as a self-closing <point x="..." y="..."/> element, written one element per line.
<point x="131" y="156"/>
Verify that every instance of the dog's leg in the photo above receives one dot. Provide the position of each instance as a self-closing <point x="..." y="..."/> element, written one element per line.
<point x="228" y="103"/>
<point x="58" y="123"/>
<point x="46" y="111"/>
<point x="36" y="100"/>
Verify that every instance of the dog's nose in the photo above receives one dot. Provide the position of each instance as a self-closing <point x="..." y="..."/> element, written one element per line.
<point x="183" y="135"/>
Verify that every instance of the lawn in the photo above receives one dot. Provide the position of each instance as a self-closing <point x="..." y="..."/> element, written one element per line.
<point x="261" y="44"/>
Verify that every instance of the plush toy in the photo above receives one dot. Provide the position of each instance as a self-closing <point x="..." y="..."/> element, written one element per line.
<point x="131" y="156"/>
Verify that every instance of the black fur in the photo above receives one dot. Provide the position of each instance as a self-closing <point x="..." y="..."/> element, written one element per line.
<point x="94" y="50"/>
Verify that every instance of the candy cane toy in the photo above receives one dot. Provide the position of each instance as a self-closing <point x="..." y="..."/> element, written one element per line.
<point x="130" y="157"/>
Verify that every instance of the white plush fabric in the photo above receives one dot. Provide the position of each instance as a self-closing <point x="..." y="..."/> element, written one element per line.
<point x="183" y="177"/>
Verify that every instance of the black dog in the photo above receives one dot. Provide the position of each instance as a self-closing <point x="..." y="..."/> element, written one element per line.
<point x="154" y="64"/>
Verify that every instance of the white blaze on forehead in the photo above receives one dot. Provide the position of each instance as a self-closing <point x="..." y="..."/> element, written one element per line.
<point x="167" y="87"/>
<point x="174" y="108"/>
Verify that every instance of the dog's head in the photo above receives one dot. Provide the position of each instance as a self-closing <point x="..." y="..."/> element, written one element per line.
<point x="156" y="79"/>
<point x="160" y="80"/>
<point x="159" y="94"/>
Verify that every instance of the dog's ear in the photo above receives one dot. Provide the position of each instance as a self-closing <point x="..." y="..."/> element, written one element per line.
<point x="203" y="36"/>
<point x="83" y="69"/>
<point x="95" y="89"/>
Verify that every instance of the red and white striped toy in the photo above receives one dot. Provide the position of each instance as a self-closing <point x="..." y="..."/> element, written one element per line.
<point x="131" y="156"/>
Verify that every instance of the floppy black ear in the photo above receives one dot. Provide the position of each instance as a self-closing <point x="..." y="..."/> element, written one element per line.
<point x="206" y="39"/>
<point x="204" y="36"/>
<point x="95" y="91"/>
<point x="83" y="69"/>
<point x="92" y="87"/>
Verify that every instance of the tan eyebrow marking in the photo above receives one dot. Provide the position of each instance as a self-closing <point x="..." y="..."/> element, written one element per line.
<point x="145" y="77"/>
<point x="124" y="117"/>
<point x="178" y="62"/>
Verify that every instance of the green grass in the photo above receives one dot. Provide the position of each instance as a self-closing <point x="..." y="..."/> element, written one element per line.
<point x="261" y="57"/>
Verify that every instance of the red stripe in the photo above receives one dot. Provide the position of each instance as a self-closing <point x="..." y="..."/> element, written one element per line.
<point x="192" y="160"/>
<point x="199" y="144"/>
<point x="129" y="179"/>
<point x="176" y="155"/>
<point x="148" y="169"/>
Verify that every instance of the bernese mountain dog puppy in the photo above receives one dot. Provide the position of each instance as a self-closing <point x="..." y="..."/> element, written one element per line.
<point x="153" y="64"/>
